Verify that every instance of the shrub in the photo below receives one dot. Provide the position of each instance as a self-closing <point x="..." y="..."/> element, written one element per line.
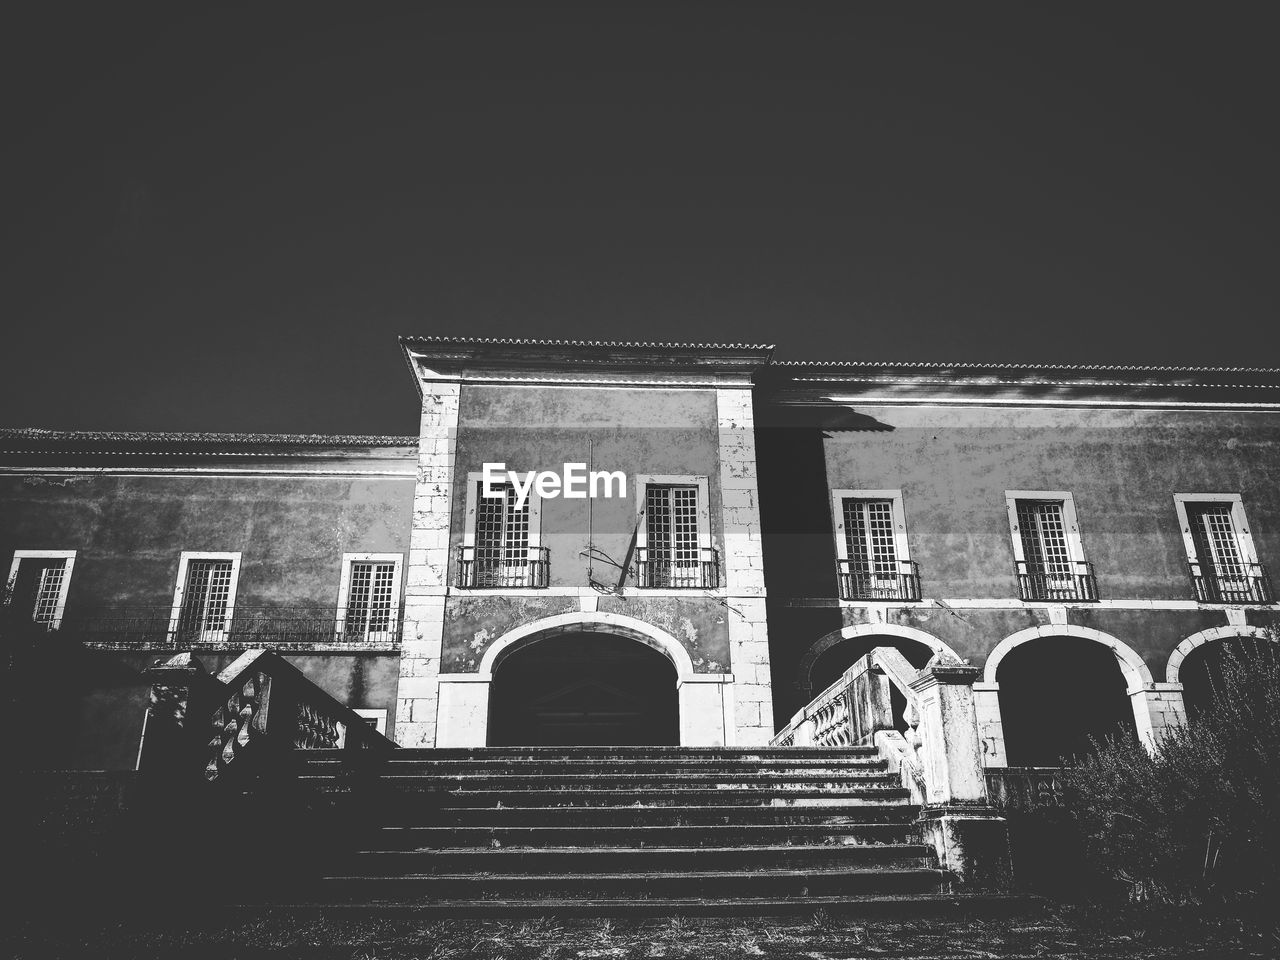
<point x="1198" y="819"/>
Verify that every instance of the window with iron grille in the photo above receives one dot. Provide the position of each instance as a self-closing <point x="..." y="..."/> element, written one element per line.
<point x="49" y="590"/>
<point x="671" y="525"/>
<point x="1042" y="528"/>
<point x="371" y="599"/>
<point x="501" y="537"/>
<point x="1217" y="545"/>
<point x="37" y="586"/>
<point x="870" y="541"/>
<point x="206" y="595"/>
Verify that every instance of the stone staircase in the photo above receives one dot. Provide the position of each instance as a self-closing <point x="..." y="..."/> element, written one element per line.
<point x="628" y="831"/>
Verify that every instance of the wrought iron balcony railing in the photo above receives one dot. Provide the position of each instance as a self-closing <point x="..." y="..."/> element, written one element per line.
<point x="667" y="572"/>
<point x="866" y="580"/>
<point x="238" y="626"/>
<point x="1245" y="583"/>
<point x="527" y="567"/>
<point x="1075" y="581"/>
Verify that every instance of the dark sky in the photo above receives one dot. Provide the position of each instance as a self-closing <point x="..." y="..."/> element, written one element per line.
<point x="219" y="218"/>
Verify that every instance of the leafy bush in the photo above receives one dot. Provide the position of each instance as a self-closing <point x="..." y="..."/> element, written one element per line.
<point x="1197" y="820"/>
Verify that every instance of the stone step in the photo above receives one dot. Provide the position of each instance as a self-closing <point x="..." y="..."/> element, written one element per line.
<point x="669" y="797"/>
<point x="494" y="781"/>
<point x="412" y="797"/>
<point x="645" y="835"/>
<point x="839" y="812"/>
<point x="690" y="883"/>
<point x="478" y="758"/>
<point x="621" y="753"/>
<point x="849" y="907"/>
<point x="338" y="766"/>
<point x="627" y="859"/>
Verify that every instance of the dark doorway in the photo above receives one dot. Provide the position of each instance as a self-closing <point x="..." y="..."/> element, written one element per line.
<point x="832" y="663"/>
<point x="1201" y="671"/>
<point x="1056" y="693"/>
<point x="584" y="689"/>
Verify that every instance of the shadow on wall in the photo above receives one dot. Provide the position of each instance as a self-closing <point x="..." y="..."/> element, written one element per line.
<point x="798" y="541"/>
<point x="76" y="708"/>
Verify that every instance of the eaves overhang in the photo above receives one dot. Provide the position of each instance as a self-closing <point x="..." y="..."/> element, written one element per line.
<point x="1160" y="387"/>
<point x="583" y="362"/>
<point x="36" y="444"/>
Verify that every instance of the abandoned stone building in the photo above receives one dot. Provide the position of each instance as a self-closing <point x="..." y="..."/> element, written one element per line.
<point x="1074" y="544"/>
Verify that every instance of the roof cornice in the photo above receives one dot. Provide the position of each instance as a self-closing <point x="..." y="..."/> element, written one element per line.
<point x="1166" y="387"/>
<point x="583" y="362"/>
<point x="854" y="365"/>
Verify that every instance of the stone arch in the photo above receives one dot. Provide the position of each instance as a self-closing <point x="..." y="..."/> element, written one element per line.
<point x="826" y="642"/>
<point x="1136" y="673"/>
<point x="594" y="622"/>
<point x="1173" y="670"/>
<point x="706" y="703"/>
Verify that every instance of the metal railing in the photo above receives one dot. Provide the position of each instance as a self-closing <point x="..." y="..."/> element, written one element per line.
<point x="866" y="580"/>
<point x="1247" y="583"/>
<point x="668" y="573"/>
<point x="237" y="626"/>
<point x="1077" y="582"/>
<point x="527" y="567"/>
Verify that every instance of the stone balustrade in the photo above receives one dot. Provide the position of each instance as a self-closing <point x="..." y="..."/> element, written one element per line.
<point x="938" y="757"/>
<point x="252" y="714"/>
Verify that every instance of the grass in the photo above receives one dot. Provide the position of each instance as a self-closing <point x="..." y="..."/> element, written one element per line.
<point x="1063" y="935"/>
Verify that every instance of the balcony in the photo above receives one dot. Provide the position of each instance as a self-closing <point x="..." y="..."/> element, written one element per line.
<point x="865" y="580"/>
<point x="1073" y="581"/>
<point x="668" y="573"/>
<point x="1244" y="583"/>
<point x="528" y="567"/>
<point x="238" y="627"/>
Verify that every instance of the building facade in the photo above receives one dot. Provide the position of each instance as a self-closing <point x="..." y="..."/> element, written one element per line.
<point x="692" y="541"/>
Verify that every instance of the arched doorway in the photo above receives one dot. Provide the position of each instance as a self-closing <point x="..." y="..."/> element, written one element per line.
<point x="1057" y="694"/>
<point x="1200" y="668"/>
<point x="584" y="689"/>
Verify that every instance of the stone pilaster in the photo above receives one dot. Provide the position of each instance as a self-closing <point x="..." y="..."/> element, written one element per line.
<point x="986" y="703"/>
<point x="744" y="569"/>
<point x="1157" y="708"/>
<point x="418" y="695"/>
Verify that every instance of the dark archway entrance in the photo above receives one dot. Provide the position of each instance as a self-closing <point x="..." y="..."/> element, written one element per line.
<point x="1201" y="671"/>
<point x="832" y="663"/>
<point x="584" y="689"/>
<point x="1056" y="693"/>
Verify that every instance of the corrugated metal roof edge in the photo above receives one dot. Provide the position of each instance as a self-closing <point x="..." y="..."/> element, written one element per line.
<point x="534" y="341"/>
<point x="9" y="435"/>
<point x="939" y="365"/>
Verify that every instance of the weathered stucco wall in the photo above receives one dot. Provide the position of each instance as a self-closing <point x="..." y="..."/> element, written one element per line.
<point x="639" y="432"/>
<point x="472" y="624"/>
<point x="1123" y="467"/>
<point x="128" y="531"/>
<point x="954" y="465"/>
<point x="541" y="428"/>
